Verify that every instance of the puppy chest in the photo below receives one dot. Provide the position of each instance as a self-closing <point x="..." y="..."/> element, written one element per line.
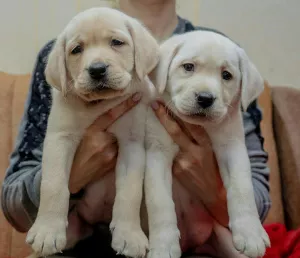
<point x="156" y="135"/>
<point x="132" y="125"/>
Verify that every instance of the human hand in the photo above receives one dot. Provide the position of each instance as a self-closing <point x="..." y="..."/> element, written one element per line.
<point x="97" y="152"/>
<point x="195" y="166"/>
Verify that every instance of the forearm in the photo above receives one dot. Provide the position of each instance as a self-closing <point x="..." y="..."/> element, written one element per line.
<point x="258" y="159"/>
<point x="261" y="191"/>
<point x="20" y="196"/>
<point x="20" y="190"/>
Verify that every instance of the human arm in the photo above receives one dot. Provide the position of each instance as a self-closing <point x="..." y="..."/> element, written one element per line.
<point x="258" y="159"/>
<point x="20" y="189"/>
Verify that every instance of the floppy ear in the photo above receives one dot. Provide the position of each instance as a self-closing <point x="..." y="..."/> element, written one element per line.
<point x="252" y="84"/>
<point x="168" y="51"/>
<point x="146" y="49"/>
<point x="56" y="71"/>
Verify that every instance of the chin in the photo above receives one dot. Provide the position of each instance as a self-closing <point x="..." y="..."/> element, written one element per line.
<point x="201" y="118"/>
<point x="101" y="94"/>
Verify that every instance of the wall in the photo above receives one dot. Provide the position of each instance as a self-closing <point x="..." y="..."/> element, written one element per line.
<point x="268" y="30"/>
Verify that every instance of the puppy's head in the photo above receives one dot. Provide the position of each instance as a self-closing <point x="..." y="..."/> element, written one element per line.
<point x="204" y="74"/>
<point x="99" y="53"/>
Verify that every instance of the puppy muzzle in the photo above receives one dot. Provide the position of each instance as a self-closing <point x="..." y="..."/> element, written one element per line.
<point x="205" y="100"/>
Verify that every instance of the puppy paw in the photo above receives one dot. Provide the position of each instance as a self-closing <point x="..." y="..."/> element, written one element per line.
<point x="249" y="237"/>
<point x="165" y="244"/>
<point x="128" y="239"/>
<point x="47" y="236"/>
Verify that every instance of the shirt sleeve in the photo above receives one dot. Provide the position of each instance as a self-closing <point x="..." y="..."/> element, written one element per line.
<point x="258" y="159"/>
<point x="21" y="186"/>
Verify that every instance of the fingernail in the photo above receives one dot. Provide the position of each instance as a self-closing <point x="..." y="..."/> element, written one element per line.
<point x="136" y="97"/>
<point x="155" y="105"/>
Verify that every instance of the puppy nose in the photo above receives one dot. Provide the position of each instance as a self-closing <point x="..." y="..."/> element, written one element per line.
<point x="98" y="70"/>
<point x="205" y="100"/>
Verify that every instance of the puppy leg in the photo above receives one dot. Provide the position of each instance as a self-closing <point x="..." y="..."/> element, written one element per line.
<point x="221" y="240"/>
<point x="127" y="235"/>
<point x="249" y="236"/>
<point x="48" y="233"/>
<point x="163" y="231"/>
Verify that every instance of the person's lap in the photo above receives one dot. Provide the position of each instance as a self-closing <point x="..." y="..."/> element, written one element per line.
<point x="118" y="256"/>
<point x="92" y="248"/>
<point x="99" y="245"/>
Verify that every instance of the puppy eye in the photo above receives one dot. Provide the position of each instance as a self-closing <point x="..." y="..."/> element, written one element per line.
<point x="117" y="43"/>
<point x="227" y="76"/>
<point x="76" y="50"/>
<point x="189" y="67"/>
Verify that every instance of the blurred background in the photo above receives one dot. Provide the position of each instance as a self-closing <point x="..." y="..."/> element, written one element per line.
<point x="268" y="30"/>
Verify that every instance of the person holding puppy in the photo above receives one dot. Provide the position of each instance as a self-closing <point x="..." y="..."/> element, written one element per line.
<point x="97" y="153"/>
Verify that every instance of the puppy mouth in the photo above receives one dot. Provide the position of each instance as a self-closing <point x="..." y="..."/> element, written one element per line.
<point x="194" y="112"/>
<point x="199" y="114"/>
<point x="101" y="92"/>
<point x="203" y="116"/>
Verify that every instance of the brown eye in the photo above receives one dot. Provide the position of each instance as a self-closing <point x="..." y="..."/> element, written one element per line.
<point x="76" y="50"/>
<point x="227" y="76"/>
<point x="189" y="67"/>
<point x="117" y="43"/>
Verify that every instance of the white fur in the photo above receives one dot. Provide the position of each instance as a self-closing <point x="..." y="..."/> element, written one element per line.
<point x="211" y="54"/>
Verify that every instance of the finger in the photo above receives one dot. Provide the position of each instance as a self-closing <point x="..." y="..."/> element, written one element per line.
<point x="104" y="160"/>
<point x="100" y="141"/>
<point x="108" y="155"/>
<point x="75" y="185"/>
<point x="183" y="169"/>
<point x="181" y="164"/>
<point x="198" y="133"/>
<point x="101" y="173"/>
<point x="101" y="159"/>
<point x="108" y="162"/>
<point x="210" y="191"/>
<point x="94" y="133"/>
<point x="173" y="128"/>
<point x="107" y="119"/>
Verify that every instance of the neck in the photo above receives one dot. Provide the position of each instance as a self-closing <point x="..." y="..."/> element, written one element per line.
<point x="159" y="16"/>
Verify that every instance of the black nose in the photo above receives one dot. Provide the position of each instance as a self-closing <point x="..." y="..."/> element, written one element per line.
<point x="98" y="70"/>
<point x="205" y="100"/>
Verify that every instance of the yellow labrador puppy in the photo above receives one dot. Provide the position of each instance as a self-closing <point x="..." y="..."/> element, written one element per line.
<point x="101" y="58"/>
<point x="204" y="77"/>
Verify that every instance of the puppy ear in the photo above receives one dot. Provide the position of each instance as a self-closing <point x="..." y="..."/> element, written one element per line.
<point x="55" y="72"/>
<point x="168" y="51"/>
<point x="252" y="84"/>
<point x="146" y="49"/>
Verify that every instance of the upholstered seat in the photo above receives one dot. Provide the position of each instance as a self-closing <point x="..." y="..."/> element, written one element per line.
<point x="280" y="108"/>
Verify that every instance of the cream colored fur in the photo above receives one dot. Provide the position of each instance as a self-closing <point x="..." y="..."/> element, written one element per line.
<point x="74" y="109"/>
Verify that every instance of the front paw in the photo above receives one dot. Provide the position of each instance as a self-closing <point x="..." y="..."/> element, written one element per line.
<point x="249" y="236"/>
<point x="164" y="243"/>
<point x="128" y="239"/>
<point x="47" y="236"/>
